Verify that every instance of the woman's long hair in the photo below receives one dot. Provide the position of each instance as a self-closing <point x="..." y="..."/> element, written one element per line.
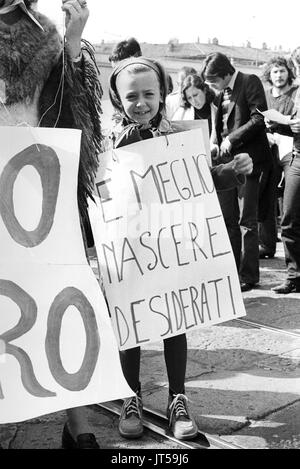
<point x="197" y="82"/>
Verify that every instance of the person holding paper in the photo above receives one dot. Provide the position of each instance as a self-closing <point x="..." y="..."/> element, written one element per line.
<point x="290" y="224"/>
<point x="240" y="127"/>
<point x="280" y="97"/>
<point x="43" y="84"/>
<point x="138" y="89"/>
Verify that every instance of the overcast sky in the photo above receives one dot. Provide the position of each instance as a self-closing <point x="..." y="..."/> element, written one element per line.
<point x="157" y="21"/>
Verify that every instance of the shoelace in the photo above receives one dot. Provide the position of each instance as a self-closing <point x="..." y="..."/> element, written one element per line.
<point x="178" y="405"/>
<point x="132" y="406"/>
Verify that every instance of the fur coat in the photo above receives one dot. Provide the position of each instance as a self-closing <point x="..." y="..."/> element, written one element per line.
<point x="41" y="86"/>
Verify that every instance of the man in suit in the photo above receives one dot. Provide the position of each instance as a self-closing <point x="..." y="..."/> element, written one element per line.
<point x="240" y="128"/>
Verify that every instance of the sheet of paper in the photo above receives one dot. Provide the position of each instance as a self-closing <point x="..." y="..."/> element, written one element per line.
<point x="285" y="144"/>
<point x="275" y="116"/>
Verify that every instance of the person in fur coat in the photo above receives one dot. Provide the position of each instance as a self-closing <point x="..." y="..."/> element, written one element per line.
<point x="48" y="81"/>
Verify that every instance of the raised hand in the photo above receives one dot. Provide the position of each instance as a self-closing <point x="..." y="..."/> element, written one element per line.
<point x="77" y="15"/>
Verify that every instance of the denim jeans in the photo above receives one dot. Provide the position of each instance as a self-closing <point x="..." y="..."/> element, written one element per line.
<point x="267" y="230"/>
<point x="290" y="225"/>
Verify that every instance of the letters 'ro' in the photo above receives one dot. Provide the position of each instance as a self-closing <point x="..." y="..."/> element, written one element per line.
<point x="45" y="161"/>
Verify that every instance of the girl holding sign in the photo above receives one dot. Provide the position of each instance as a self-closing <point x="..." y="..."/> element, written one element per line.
<point x="138" y="88"/>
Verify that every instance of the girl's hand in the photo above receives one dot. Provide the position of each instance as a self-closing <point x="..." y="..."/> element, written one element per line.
<point x="242" y="164"/>
<point x="295" y="125"/>
<point x="77" y="15"/>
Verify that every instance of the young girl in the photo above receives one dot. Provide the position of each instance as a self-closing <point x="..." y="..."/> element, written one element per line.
<point x="138" y="88"/>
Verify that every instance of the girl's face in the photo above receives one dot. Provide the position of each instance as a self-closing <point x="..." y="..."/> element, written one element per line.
<point x="195" y="97"/>
<point x="140" y="94"/>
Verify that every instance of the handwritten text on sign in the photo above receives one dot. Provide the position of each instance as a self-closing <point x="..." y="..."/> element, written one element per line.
<point x="57" y="345"/>
<point x="163" y="249"/>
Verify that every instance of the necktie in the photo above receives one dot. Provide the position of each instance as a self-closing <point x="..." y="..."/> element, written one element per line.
<point x="225" y="105"/>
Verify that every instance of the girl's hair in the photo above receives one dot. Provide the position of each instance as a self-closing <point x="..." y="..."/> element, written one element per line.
<point x="278" y="61"/>
<point x="136" y="65"/>
<point x="198" y="82"/>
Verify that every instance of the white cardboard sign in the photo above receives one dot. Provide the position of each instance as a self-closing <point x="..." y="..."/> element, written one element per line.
<point x="57" y="346"/>
<point x="164" y="254"/>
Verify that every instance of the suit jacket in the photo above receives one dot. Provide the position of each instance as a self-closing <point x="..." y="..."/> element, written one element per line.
<point x="246" y="126"/>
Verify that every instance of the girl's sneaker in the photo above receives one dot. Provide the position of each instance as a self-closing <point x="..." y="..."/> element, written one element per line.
<point x="130" y="423"/>
<point x="181" y="422"/>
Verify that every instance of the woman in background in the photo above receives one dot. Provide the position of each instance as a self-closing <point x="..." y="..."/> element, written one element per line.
<point x="196" y="100"/>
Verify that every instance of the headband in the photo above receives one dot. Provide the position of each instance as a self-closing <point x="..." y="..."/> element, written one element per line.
<point x="136" y="61"/>
<point x="10" y="5"/>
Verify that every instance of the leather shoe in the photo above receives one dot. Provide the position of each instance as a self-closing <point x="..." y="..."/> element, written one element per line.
<point x="84" y="440"/>
<point x="247" y="286"/>
<point x="289" y="286"/>
<point x="264" y="254"/>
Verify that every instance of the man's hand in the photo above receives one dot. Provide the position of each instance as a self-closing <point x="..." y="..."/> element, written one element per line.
<point x="242" y="164"/>
<point x="77" y="15"/>
<point x="268" y="123"/>
<point x="225" y="146"/>
<point x="295" y="125"/>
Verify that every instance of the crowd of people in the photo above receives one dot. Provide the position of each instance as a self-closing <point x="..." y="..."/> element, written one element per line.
<point x="257" y="183"/>
<point x="265" y="207"/>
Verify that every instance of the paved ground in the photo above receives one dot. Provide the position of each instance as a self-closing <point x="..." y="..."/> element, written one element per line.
<point x="243" y="383"/>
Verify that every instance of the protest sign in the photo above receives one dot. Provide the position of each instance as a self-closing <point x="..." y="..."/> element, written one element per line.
<point x="181" y="126"/>
<point x="164" y="254"/>
<point x="57" y="346"/>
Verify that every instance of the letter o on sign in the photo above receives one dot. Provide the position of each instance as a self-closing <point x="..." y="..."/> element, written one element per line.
<point x="79" y="380"/>
<point x="46" y="162"/>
